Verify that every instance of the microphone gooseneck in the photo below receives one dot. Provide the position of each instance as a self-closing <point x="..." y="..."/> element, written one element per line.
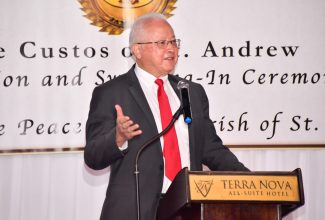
<point x="145" y="145"/>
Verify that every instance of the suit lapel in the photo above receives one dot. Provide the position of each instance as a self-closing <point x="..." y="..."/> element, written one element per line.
<point x="173" y="80"/>
<point x="139" y="97"/>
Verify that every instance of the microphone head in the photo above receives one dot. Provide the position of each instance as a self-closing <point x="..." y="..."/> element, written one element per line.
<point x="182" y="85"/>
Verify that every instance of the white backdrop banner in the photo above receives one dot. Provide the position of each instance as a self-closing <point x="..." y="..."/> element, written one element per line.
<point x="261" y="63"/>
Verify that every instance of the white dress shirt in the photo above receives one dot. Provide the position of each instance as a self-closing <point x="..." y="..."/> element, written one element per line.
<point x="150" y="89"/>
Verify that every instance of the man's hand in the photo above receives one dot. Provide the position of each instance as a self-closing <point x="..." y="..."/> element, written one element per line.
<point x="125" y="127"/>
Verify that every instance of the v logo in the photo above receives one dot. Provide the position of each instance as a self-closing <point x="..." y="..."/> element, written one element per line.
<point x="203" y="186"/>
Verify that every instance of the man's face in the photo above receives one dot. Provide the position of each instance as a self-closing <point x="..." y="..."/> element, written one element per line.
<point x="158" y="61"/>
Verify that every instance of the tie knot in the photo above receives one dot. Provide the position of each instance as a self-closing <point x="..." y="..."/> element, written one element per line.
<point x="159" y="82"/>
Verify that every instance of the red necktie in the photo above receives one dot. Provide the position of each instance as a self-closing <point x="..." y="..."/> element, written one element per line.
<point x="171" y="150"/>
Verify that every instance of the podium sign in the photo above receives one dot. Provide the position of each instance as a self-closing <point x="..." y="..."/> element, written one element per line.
<point x="243" y="187"/>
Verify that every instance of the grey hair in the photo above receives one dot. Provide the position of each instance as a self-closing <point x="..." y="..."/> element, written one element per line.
<point x="139" y="24"/>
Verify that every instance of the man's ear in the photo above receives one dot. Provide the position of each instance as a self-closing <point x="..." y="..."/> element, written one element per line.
<point x="136" y="51"/>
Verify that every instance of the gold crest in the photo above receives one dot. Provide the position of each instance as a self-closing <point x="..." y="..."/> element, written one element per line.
<point x="113" y="16"/>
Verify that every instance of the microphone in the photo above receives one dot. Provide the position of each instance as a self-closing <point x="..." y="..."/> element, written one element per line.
<point x="183" y="87"/>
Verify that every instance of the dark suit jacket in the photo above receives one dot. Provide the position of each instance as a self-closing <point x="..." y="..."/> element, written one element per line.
<point x="101" y="150"/>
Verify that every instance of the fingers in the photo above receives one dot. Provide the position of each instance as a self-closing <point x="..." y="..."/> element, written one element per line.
<point x="121" y="119"/>
<point x="119" y="111"/>
<point x="125" y="127"/>
<point x="132" y="130"/>
<point x="129" y="129"/>
<point x="126" y="124"/>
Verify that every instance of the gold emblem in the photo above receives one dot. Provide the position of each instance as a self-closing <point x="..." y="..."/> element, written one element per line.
<point x="203" y="186"/>
<point x="113" y="16"/>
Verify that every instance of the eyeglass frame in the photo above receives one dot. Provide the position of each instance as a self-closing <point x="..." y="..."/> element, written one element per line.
<point x="166" y="42"/>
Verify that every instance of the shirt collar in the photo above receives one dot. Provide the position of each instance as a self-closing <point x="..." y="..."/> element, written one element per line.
<point x="147" y="78"/>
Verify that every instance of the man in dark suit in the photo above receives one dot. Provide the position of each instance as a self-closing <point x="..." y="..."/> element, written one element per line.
<point x="124" y="114"/>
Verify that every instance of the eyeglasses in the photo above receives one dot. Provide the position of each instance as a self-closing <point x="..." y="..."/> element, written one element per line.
<point x="163" y="44"/>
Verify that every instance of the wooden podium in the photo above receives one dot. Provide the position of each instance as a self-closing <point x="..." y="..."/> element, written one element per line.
<point x="232" y="195"/>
